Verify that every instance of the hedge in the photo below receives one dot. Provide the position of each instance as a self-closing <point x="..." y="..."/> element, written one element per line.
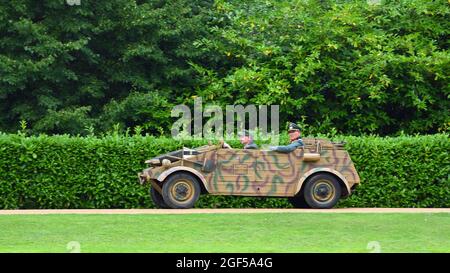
<point x="50" y="172"/>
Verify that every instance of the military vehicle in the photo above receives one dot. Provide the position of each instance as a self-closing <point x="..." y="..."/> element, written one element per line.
<point x="313" y="176"/>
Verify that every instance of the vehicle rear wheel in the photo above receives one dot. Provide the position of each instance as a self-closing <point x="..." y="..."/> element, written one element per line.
<point x="157" y="199"/>
<point x="299" y="201"/>
<point x="181" y="191"/>
<point x="322" y="191"/>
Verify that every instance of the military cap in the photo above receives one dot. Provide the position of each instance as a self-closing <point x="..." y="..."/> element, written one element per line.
<point x="244" y="133"/>
<point x="293" y="127"/>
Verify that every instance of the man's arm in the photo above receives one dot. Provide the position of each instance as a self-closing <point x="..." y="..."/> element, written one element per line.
<point x="288" y="148"/>
<point x="226" y="146"/>
<point x="251" y="146"/>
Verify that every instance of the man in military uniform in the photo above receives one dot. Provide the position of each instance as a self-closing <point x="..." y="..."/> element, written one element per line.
<point x="247" y="140"/>
<point x="294" y="136"/>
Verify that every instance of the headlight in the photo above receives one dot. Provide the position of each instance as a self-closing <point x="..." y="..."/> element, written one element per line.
<point x="153" y="162"/>
<point x="166" y="162"/>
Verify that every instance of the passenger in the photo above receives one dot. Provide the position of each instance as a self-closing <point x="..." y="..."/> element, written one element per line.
<point x="294" y="136"/>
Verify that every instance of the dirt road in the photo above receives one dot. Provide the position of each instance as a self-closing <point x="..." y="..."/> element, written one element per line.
<point x="200" y="211"/>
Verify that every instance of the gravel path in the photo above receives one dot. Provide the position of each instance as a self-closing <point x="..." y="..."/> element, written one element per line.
<point x="199" y="211"/>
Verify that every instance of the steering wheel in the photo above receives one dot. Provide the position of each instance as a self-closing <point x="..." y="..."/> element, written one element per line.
<point x="220" y="143"/>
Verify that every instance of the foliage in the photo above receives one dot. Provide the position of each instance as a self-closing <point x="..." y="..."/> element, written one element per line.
<point x="346" y="66"/>
<point x="349" y="66"/>
<point x="64" y="68"/>
<point x="90" y="172"/>
<point x="148" y="109"/>
<point x="401" y="172"/>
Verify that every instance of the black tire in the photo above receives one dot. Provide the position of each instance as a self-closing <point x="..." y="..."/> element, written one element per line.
<point x="299" y="201"/>
<point x="322" y="191"/>
<point x="181" y="191"/>
<point x="157" y="199"/>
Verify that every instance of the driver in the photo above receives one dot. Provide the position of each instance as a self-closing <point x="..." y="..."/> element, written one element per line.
<point x="294" y="136"/>
<point x="247" y="140"/>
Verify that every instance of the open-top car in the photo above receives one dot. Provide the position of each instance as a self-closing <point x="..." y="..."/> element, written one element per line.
<point x="313" y="176"/>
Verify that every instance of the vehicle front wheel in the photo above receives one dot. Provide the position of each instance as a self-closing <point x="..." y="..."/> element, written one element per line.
<point x="322" y="191"/>
<point x="157" y="199"/>
<point x="181" y="191"/>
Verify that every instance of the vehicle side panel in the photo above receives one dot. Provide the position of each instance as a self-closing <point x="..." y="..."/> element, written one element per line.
<point x="262" y="173"/>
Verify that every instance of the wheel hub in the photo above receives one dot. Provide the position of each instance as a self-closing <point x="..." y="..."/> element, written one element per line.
<point x="323" y="191"/>
<point x="182" y="191"/>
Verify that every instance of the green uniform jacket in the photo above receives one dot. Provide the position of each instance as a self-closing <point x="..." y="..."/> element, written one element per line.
<point x="289" y="148"/>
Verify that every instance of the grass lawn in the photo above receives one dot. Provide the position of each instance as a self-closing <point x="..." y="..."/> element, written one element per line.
<point x="268" y="232"/>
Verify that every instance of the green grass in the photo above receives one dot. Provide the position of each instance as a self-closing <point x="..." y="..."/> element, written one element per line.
<point x="269" y="232"/>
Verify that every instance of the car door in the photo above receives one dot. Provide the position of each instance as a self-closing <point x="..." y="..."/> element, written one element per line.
<point x="235" y="172"/>
<point x="276" y="173"/>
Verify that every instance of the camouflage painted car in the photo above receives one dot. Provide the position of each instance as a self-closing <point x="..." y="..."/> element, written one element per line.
<point x="313" y="176"/>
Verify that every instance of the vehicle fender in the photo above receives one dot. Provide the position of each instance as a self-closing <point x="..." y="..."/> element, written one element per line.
<point x="322" y="170"/>
<point x="194" y="172"/>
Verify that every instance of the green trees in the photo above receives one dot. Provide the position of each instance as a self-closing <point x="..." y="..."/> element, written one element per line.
<point x="346" y="66"/>
<point x="63" y="68"/>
